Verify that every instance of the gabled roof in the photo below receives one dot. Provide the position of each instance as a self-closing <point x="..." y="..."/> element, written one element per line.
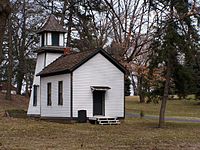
<point x="52" y="25"/>
<point x="68" y="63"/>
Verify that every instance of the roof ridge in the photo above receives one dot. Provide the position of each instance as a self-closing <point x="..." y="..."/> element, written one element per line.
<point x="74" y="53"/>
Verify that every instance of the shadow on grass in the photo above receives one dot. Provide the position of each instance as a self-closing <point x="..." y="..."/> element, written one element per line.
<point x="20" y="113"/>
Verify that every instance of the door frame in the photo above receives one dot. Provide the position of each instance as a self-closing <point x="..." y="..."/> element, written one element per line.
<point x="102" y="102"/>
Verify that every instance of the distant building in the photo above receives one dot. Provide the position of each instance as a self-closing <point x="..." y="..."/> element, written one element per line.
<point x="3" y="88"/>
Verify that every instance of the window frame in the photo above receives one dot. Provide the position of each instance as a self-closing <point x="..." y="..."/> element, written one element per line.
<point x="60" y="93"/>
<point x="35" y="93"/>
<point x="55" y="38"/>
<point x="42" y="39"/>
<point x="49" y="92"/>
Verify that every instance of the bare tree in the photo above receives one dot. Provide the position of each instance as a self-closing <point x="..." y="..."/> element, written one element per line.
<point x="132" y="34"/>
<point x="5" y="10"/>
<point x="21" y="66"/>
<point x="10" y="61"/>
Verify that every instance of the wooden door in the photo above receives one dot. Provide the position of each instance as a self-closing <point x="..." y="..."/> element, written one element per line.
<point x="99" y="103"/>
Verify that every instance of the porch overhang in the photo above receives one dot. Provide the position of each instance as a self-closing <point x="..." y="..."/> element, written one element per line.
<point x="99" y="88"/>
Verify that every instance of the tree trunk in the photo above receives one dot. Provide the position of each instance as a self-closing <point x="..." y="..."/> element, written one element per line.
<point x="170" y="55"/>
<point x="70" y="21"/>
<point x="4" y="13"/>
<point x="19" y="82"/>
<point x="165" y="97"/>
<point x="27" y="85"/>
<point x="9" y="79"/>
<point x="21" y="66"/>
<point x="63" y="13"/>
<point x="140" y="89"/>
<point x="142" y="98"/>
<point x="133" y="85"/>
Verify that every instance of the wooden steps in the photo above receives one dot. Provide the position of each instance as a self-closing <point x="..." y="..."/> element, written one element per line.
<point x="102" y="120"/>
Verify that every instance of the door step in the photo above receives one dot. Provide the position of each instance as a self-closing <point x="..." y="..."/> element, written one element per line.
<point x="105" y="120"/>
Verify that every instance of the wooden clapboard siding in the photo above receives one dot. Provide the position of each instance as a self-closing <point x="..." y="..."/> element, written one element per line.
<point x="55" y="110"/>
<point x="43" y="60"/>
<point x="98" y="71"/>
<point x="49" y="39"/>
<point x="50" y="57"/>
<point x="61" y="39"/>
<point x="35" y="110"/>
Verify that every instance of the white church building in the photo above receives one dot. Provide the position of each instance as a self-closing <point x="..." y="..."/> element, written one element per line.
<point x="66" y="82"/>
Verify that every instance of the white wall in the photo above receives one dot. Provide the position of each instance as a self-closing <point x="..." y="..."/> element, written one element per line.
<point x="42" y="61"/>
<point x="49" y="39"/>
<point x="61" y="39"/>
<point x="55" y="110"/>
<point x="45" y="39"/>
<point x="40" y="40"/>
<point x="50" y="57"/>
<point x="98" y="71"/>
<point x="35" y="110"/>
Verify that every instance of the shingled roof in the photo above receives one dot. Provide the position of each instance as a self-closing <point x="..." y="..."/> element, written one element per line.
<point x="51" y="49"/>
<point x="68" y="63"/>
<point x="52" y="25"/>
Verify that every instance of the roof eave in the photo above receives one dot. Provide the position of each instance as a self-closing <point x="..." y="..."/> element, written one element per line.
<point x="53" y="73"/>
<point x="42" y="31"/>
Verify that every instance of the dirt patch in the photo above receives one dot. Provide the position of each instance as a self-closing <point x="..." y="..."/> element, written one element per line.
<point x="17" y="102"/>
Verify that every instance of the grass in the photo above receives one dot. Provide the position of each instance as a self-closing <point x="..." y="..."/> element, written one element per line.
<point x="175" y="108"/>
<point x="133" y="133"/>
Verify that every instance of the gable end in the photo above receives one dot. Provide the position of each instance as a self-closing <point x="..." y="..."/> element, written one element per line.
<point x="106" y="55"/>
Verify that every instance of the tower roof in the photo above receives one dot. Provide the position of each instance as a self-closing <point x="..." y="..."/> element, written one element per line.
<point x="52" y="25"/>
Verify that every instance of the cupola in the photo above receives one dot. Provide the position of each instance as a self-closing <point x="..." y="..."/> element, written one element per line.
<point x="52" y="33"/>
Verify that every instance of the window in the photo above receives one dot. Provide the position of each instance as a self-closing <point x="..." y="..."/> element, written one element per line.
<point x="42" y="40"/>
<point x="60" y="92"/>
<point x="34" y="95"/>
<point x="55" y="39"/>
<point x="48" y="94"/>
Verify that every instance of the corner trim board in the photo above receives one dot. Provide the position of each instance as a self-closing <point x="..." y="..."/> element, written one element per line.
<point x="71" y="95"/>
<point x="45" y="57"/>
<point x="124" y="98"/>
<point x="40" y="98"/>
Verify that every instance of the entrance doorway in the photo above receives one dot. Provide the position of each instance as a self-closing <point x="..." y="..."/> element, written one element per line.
<point x="98" y="103"/>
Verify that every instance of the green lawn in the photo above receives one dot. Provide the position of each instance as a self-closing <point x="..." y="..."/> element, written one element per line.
<point x="175" y="108"/>
<point x="133" y="133"/>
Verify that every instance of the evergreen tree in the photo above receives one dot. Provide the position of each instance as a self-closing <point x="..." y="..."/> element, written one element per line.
<point x="175" y="37"/>
<point x="184" y="80"/>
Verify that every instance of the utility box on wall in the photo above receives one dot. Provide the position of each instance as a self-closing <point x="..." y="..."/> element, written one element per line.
<point x="82" y="116"/>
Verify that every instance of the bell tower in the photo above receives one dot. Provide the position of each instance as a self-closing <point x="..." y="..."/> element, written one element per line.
<point x="52" y="33"/>
<point x="51" y="47"/>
